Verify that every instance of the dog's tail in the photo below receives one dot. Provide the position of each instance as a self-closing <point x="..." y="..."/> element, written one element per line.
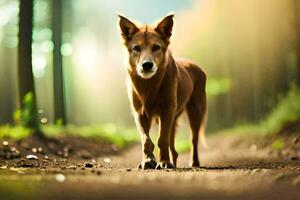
<point x="203" y="124"/>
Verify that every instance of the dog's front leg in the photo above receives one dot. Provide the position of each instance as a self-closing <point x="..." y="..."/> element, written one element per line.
<point x="143" y="124"/>
<point x="166" y="121"/>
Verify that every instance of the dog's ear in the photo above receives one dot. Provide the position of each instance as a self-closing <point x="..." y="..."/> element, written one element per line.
<point x="128" y="28"/>
<point x="165" y="26"/>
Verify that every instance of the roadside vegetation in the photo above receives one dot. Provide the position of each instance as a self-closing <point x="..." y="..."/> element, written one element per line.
<point x="286" y="111"/>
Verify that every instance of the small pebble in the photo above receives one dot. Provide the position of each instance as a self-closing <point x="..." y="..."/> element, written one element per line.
<point x="12" y="149"/>
<point x="5" y="143"/>
<point x="31" y="157"/>
<point x="34" y="150"/>
<point x="88" y="165"/>
<point x="40" y="149"/>
<point x="107" y="160"/>
<point x="60" y="178"/>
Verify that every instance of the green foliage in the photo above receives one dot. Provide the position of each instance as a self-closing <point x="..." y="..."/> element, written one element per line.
<point x="287" y="110"/>
<point x="121" y="137"/>
<point x="182" y="145"/>
<point x="217" y="86"/>
<point x="28" y="117"/>
<point x="59" y="122"/>
<point x="278" y="144"/>
<point x="245" y="129"/>
<point x="108" y="132"/>
<point x="17" y="116"/>
<point x="17" y="132"/>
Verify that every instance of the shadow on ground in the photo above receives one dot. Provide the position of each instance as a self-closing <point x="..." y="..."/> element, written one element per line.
<point x="234" y="167"/>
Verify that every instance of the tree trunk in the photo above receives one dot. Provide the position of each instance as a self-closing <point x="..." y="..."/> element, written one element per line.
<point x="59" y="106"/>
<point x="25" y="75"/>
<point x="27" y="99"/>
<point x="297" y="23"/>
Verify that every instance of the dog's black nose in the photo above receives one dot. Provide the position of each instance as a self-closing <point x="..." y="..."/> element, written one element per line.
<point x="147" y="66"/>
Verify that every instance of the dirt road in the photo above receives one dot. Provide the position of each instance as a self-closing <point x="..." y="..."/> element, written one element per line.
<point x="234" y="167"/>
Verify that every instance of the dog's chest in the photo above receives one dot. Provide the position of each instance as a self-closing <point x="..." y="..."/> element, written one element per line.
<point x="148" y="104"/>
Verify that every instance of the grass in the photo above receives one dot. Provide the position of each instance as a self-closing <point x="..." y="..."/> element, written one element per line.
<point x="121" y="137"/>
<point x="246" y="129"/>
<point x="286" y="111"/>
<point x="182" y="145"/>
<point x="14" y="132"/>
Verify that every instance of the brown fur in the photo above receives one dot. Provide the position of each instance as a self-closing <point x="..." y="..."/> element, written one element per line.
<point x="177" y="85"/>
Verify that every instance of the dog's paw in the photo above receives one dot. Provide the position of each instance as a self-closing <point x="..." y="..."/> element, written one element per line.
<point x="194" y="164"/>
<point x="164" y="165"/>
<point x="148" y="164"/>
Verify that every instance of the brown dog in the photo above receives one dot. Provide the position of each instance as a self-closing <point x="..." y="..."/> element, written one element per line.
<point x="161" y="87"/>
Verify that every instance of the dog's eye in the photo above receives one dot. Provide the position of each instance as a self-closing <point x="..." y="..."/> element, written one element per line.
<point x="137" y="48"/>
<point x="156" y="47"/>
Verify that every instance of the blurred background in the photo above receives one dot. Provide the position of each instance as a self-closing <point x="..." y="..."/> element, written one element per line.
<point x="250" y="50"/>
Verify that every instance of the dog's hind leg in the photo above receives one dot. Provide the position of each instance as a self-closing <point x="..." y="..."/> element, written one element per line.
<point x="174" y="153"/>
<point x="196" y="110"/>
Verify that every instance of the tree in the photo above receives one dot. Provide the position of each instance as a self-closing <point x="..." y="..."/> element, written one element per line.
<point x="297" y="24"/>
<point x="59" y="106"/>
<point x="26" y="90"/>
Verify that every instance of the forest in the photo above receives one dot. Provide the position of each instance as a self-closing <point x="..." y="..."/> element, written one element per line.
<point x="65" y="114"/>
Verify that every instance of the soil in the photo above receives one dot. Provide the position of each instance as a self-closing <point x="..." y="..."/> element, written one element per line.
<point x="60" y="152"/>
<point x="234" y="167"/>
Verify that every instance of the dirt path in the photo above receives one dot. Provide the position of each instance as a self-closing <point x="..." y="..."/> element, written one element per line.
<point x="234" y="167"/>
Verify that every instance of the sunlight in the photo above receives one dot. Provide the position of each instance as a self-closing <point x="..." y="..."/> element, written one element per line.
<point x="87" y="55"/>
<point x="47" y="46"/>
<point x="66" y="49"/>
<point x="8" y="10"/>
<point x="79" y="120"/>
<point x="39" y="64"/>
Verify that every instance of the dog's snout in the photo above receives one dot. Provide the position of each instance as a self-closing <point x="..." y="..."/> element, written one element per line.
<point x="147" y="66"/>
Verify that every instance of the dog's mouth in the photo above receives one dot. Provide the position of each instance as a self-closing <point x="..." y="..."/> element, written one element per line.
<point x="146" y="74"/>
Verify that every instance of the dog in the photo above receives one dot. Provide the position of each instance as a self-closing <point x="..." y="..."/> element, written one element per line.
<point x="161" y="87"/>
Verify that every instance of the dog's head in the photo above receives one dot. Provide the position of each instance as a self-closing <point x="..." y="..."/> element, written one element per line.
<point x="146" y="45"/>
